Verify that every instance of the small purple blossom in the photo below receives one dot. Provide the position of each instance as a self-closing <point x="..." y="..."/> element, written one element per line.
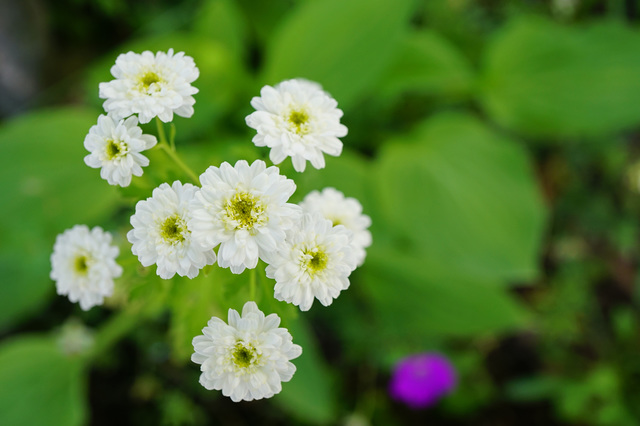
<point x="421" y="380"/>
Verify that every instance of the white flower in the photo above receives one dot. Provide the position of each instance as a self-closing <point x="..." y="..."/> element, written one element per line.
<point x="161" y="233"/>
<point x="297" y="119"/>
<point x="341" y="210"/>
<point x="116" y="146"/>
<point x="244" y="209"/>
<point x="151" y="86"/>
<point x="315" y="261"/>
<point x="248" y="358"/>
<point x="83" y="265"/>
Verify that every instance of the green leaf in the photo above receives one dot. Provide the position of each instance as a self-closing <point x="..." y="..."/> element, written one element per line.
<point x="429" y="64"/>
<point x="464" y="197"/>
<point x="223" y="21"/>
<point x="345" y="45"/>
<point x="48" y="188"/>
<point x="39" y="385"/>
<point x="417" y="298"/>
<point x="548" y="80"/>
<point x="309" y="396"/>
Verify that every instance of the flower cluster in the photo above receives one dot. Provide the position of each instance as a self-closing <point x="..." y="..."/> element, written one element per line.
<point x="238" y="215"/>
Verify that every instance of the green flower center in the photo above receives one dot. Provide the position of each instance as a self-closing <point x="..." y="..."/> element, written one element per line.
<point x="149" y="78"/>
<point x="244" y="356"/>
<point x="316" y="260"/>
<point x="115" y="149"/>
<point x="80" y="264"/>
<point x="173" y="229"/>
<point x="245" y="209"/>
<point x="298" y="121"/>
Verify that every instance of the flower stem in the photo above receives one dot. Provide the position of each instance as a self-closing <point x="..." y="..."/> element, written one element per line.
<point x="171" y="153"/>
<point x="252" y="285"/>
<point x="161" y="134"/>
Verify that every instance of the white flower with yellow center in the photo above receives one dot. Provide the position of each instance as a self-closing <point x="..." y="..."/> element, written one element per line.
<point x="248" y="358"/>
<point x="297" y="119"/>
<point x="115" y="147"/>
<point x="161" y="233"/>
<point x="151" y="85"/>
<point x="341" y="210"/>
<point x="83" y="265"/>
<point x="315" y="261"/>
<point x="244" y="209"/>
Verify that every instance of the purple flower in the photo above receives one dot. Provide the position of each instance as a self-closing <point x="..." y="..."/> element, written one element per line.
<point x="421" y="380"/>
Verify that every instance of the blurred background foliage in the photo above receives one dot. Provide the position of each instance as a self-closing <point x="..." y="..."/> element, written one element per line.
<point x="494" y="143"/>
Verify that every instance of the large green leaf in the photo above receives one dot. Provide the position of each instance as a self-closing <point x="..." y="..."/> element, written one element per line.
<point x="309" y="395"/>
<point x="548" y="80"/>
<point x="416" y="298"/>
<point x="345" y="45"/>
<point x="429" y="64"/>
<point x="48" y="188"/>
<point x="464" y="197"/>
<point x="39" y="385"/>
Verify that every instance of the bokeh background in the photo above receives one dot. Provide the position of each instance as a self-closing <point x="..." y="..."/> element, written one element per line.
<point x="494" y="144"/>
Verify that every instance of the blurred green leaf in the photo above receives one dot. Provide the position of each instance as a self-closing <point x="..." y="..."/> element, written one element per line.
<point x="548" y="80"/>
<point x="345" y="45"/>
<point x="223" y="21"/>
<point x="464" y="197"/>
<point x="416" y="298"/>
<point x="309" y="396"/>
<point x="429" y="64"/>
<point x="48" y="188"/>
<point x="39" y="385"/>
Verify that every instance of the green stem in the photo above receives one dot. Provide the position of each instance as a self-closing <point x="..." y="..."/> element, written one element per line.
<point x="161" y="134"/>
<point x="172" y="137"/>
<point x="117" y="327"/>
<point x="252" y="285"/>
<point x="171" y="153"/>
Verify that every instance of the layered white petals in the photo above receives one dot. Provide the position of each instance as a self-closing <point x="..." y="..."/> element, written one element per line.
<point x="83" y="265"/>
<point x="297" y="119"/>
<point x="248" y="358"/>
<point x="151" y="86"/>
<point x="161" y="234"/>
<point x="341" y="210"/>
<point x="314" y="262"/>
<point x="243" y="209"/>
<point x="116" y="147"/>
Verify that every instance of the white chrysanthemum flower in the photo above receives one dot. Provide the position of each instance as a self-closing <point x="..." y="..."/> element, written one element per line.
<point x="341" y="210"/>
<point x="244" y="209"/>
<point x="161" y="233"/>
<point x="248" y="358"/>
<point x="115" y="147"/>
<point x="315" y="261"/>
<point x="151" y="85"/>
<point x="297" y="119"/>
<point x="83" y="265"/>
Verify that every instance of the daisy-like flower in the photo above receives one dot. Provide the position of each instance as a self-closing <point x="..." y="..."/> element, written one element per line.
<point x="83" y="265"/>
<point x="161" y="233"/>
<point x="341" y="210"/>
<point x="315" y="261"/>
<point x="248" y="358"/>
<point x="115" y="147"/>
<point x="151" y="85"/>
<point x="297" y="119"/>
<point x="244" y="209"/>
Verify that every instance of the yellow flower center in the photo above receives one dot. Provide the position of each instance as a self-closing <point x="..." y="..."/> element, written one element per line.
<point x="81" y="265"/>
<point x="173" y="229"/>
<point x="245" y="209"/>
<point x="299" y="121"/>
<point x="316" y="260"/>
<point x="244" y="356"/>
<point x="115" y="149"/>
